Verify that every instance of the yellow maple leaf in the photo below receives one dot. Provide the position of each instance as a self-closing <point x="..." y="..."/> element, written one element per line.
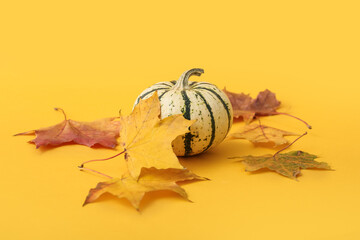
<point x="147" y="140"/>
<point x="263" y="134"/>
<point x="151" y="179"/>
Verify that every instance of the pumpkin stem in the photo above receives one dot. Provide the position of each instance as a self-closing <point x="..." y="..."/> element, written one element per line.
<point x="183" y="82"/>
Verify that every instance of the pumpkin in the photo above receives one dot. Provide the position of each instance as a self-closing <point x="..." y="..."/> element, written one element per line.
<point x="202" y="101"/>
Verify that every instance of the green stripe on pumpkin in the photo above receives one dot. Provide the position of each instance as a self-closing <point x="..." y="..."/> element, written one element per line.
<point x="202" y="83"/>
<point x="147" y="93"/>
<point x="212" y="120"/>
<point x="186" y="114"/>
<point x="192" y="84"/>
<point x="223" y="103"/>
<point x="163" y="94"/>
<point x="163" y="84"/>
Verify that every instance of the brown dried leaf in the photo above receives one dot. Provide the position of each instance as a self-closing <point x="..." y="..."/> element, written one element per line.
<point x="256" y="133"/>
<point x="103" y="132"/>
<point x="244" y="106"/>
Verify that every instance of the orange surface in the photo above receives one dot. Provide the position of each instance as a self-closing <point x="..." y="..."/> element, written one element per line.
<point x="93" y="58"/>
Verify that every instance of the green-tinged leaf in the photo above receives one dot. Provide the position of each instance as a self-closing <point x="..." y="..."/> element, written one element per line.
<point x="287" y="164"/>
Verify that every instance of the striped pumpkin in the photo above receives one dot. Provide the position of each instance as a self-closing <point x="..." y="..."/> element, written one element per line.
<point x="202" y="101"/>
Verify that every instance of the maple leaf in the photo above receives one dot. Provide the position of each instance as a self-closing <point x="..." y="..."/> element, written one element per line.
<point x="147" y="140"/>
<point x="103" y="132"/>
<point x="244" y="106"/>
<point x="263" y="134"/>
<point x="151" y="179"/>
<point x="286" y="164"/>
<point x="265" y="104"/>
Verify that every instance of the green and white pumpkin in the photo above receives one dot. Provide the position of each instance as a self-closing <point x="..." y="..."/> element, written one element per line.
<point x="202" y="101"/>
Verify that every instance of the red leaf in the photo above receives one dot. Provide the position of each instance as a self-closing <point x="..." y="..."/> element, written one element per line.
<point x="103" y="132"/>
<point x="244" y="106"/>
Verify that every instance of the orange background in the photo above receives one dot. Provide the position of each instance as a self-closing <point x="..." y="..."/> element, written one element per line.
<point x="93" y="58"/>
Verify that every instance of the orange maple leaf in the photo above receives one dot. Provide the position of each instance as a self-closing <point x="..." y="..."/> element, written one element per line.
<point x="103" y="132"/>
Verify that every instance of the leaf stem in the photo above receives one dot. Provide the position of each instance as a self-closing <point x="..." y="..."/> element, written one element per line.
<point x="287" y="114"/>
<point x="104" y="159"/>
<point x="25" y="133"/>
<point x="92" y="170"/>
<point x="262" y="129"/>
<point x="289" y="145"/>
<point x="61" y="110"/>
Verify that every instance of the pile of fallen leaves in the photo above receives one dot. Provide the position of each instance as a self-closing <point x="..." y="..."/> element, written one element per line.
<point x="145" y="142"/>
